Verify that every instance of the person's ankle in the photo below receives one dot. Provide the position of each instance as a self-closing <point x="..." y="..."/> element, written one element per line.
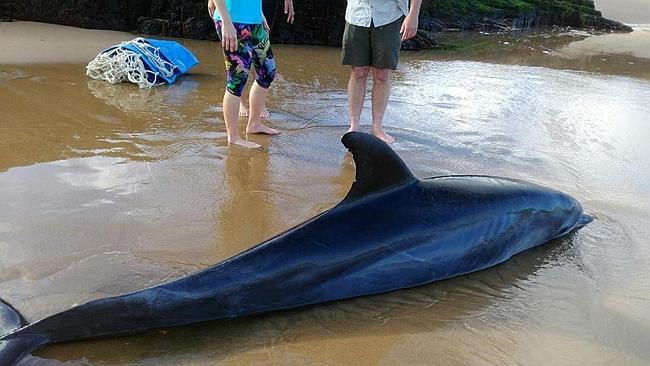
<point x="253" y="123"/>
<point x="234" y="138"/>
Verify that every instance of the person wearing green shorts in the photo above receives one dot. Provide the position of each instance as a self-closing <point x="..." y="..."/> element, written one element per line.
<point x="374" y="31"/>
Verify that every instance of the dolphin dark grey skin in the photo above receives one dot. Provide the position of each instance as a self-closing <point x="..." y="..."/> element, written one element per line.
<point x="392" y="231"/>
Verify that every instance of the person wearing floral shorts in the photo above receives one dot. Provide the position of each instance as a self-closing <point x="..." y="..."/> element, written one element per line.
<point x="254" y="49"/>
<point x="243" y="31"/>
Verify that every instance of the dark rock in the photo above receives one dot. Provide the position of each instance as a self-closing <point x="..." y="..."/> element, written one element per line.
<point x="526" y="20"/>
<point x="107" y="14"/>
<point x="7" y="10"/>
<point x="489" y="24"/>
<point x="432" y="24"/>
<point x="602" y="23"/>
<point x="199" y="29"/>
<point x="137" y="9"/>
<point x="422" y="41"/>
<point x="150" y="26"/>
<point x="318" y="22"/>
<point x="172" y="28"/>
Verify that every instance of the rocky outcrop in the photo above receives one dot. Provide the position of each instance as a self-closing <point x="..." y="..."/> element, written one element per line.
<point x="177" y="18"/>
<point x="318" y="22"/>
<point x="489" y="15"/>
<point x="106" y="14"/>
<point x="603" y="23"/>
<point x="7" y="10"/>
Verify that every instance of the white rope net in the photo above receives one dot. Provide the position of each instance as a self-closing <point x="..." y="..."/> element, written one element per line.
<point x="119" y="64"/>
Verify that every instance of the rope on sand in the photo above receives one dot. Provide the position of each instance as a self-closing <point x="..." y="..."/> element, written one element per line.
<point x="118" y="64"/>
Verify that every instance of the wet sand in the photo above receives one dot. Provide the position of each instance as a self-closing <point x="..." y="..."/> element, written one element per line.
<point x="106" y="189"/>
<point x="41" y="43"/>
<point x="609" y="53"/>
<point x="634" y="45"/>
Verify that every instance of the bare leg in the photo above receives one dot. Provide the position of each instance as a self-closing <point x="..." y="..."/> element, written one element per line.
<point x="257" y="98"/>
<point x="230" y="115"/>
<point x="380" y="95"/>
<point x="243" y="106"/>
<point x="357" y="95"/>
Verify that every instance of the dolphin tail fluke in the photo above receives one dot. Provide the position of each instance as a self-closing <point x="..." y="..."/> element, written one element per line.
<point x="13" y="349"/>
<point x="584" y="220"/>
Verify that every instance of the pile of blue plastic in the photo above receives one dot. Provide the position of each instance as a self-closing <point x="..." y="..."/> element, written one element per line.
<point x="143" y="61"/>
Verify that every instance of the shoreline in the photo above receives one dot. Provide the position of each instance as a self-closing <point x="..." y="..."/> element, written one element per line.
<point x="610" y="53"/>
<point x="320" y="23"/>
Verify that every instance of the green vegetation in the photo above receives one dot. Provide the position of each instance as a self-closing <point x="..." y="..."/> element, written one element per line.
<point x="571" y="12"/>
<point x="471" y="43"/>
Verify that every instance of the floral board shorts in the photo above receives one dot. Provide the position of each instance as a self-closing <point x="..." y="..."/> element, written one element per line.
<point x="254" y="48"/>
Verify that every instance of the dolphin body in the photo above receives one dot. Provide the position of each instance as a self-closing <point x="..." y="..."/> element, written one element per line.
<point x="392" y="231"/>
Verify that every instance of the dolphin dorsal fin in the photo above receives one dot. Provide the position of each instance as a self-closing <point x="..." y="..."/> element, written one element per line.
<point x="378" y="167"/>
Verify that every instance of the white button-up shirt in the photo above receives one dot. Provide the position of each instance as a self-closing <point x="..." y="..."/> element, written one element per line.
<point x="378" y="12"/>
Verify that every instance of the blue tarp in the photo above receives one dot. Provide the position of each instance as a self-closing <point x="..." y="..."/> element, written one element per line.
<point x="173" y="52"/>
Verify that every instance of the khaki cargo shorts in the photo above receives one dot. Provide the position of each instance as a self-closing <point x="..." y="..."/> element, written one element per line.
<point x="372" y="46"/>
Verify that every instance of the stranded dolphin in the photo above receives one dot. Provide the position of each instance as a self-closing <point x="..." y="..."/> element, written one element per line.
<point x="392" y="231"/>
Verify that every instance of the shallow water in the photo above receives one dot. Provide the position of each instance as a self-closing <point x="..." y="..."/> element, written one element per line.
<point x="106" y="189"/>
<point x="626" y="11"/>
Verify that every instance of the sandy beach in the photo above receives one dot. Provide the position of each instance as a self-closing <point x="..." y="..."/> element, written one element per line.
<point x="106" y="189"/>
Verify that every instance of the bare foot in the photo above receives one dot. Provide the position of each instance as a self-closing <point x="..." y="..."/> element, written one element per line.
<point x="353" y="129"/>
<point x="245" y="144"/>
<point x="380" y="134"/>
<point x="260" y="128"/>
<point x="265" y="113"/>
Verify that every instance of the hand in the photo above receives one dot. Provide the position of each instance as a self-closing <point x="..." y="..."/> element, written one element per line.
<point x="211" y="8"/>
<point x="288" y="9"/>
<point x="409" y="27"/>
<point x="266" y="24"/>
<point x="229" y="37"/>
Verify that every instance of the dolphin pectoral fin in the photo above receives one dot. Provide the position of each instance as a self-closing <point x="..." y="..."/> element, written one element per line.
<point x="13" y="349"/>
<point x="378" y="167"/>
<point x="584" y="220"/>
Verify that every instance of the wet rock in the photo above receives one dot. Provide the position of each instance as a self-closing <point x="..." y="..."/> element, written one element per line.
<point x="423" y="40"/>
<point x="602" y="23"/>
